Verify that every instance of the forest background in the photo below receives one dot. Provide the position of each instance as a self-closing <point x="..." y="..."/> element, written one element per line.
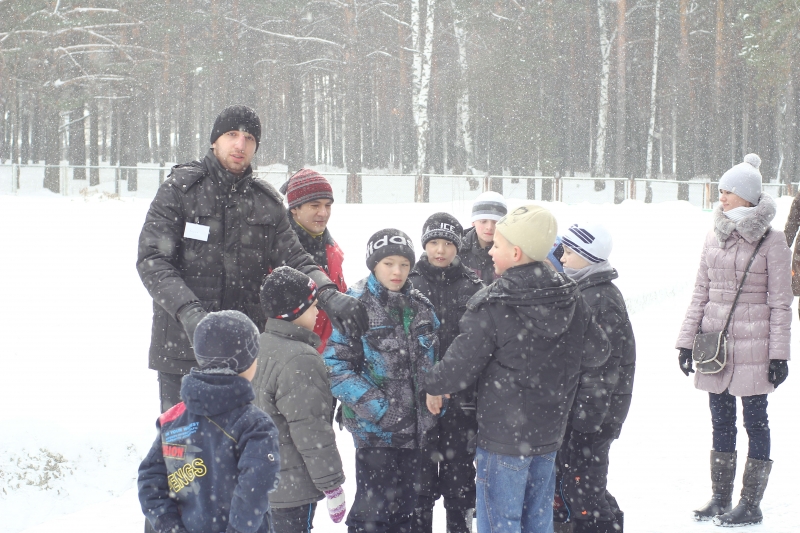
<point x="676" y="89"/>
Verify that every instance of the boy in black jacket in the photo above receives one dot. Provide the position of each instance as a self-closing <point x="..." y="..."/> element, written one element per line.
<point x="448" y="284"/>
<point x="583" y="459"/>
<point x="525" y="339"/>
<point x="216" y="456"/>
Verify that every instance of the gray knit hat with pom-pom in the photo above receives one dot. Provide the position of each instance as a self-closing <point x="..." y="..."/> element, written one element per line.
<point x="744" y="179"/>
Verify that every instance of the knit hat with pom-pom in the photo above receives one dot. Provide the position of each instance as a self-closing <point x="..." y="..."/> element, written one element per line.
<point x="744" y="179"/>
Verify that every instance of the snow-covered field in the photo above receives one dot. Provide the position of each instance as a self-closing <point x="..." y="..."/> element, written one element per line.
<point x="79" y="404"/>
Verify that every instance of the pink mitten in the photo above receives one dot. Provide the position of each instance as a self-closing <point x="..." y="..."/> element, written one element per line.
<point x="336" y="504"/>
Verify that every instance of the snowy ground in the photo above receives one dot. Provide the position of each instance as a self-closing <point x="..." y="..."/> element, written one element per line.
<point x="79" y="404"/>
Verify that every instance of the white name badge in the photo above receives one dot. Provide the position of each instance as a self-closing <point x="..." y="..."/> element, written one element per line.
<point x="196" y="231"/>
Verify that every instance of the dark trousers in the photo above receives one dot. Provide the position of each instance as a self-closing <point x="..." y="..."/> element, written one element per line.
<point x="294" y="519"/>
<point x="387" y="480"/>
<point x="601" y="447"/>
<point x="169" y="389"/>
<point x="448" y="466"/>
<point x="723" y="421"/>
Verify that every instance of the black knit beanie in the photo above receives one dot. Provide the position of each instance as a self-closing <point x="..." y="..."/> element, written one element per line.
<point x="287" y="293"/>
<point x="442" y="226"/>
<point x="226" y="339"/>
<point x="237" y="118"/>
<point x="388" y="242"/>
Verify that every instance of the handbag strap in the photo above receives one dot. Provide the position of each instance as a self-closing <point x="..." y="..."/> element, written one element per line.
<point x="744" y="276"/>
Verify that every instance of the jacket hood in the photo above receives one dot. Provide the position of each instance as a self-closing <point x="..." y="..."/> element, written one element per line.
<point x="288" y="330"/>
<point x="597" y="278"/>
<point x="544" y="299"/>
<point x="752" y="227"/>
<point x="210" y="394"/>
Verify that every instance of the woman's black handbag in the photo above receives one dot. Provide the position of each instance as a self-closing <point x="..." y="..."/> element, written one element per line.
<point x="710" y="350"/>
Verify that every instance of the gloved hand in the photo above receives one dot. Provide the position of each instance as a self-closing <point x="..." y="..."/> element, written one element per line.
<point x="581" y="451"/>
<point x="347" y="314"/>
<point x="336" y="503"/>
<point x="189" y="316"/>
<point x="685" y="360"/>
<point x="778" y="371"/>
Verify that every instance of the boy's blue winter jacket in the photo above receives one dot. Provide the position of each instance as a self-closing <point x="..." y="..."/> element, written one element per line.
<point x="214" y="461"/>
<point x="378" y="378"/>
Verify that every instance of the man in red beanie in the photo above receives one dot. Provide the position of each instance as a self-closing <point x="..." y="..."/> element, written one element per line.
<point x="310" y="199"/>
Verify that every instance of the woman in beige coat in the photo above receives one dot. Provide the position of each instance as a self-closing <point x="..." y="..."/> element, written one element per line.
<point x="758" y="335"/>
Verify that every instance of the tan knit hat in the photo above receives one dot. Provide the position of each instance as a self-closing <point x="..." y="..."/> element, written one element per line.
<point x="532" y="228"/>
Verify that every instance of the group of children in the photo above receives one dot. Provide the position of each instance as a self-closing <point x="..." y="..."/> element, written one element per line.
<point x="478" y="354"/>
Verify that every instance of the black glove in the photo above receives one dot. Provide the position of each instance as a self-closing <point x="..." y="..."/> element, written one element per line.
<point x="189" y="316"/>
<point x="778" y="371"/>
<point x="347" y="314"/>
<point x="581" y="451"/>
<point x="685" y="360"/>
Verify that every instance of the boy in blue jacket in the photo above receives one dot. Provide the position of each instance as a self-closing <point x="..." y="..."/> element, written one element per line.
<point x="216" y="456"/>
<point x="378" y="379"/>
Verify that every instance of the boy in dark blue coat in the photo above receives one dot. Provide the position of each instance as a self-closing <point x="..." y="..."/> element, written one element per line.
<point x="447" y="468"/>
<point x="216" y="456"/>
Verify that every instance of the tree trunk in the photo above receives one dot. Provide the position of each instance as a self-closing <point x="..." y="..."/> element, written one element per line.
<point x="51" y="147"/>
<point x="648" y="173"/>
<point x="602" y="97"/>
<point x="77" y="143"/>
<point x="422" y="43"/>
<point x="464" y="116"/>
<point x="621" y="148"/>
<point x="351" y="124"/>
<point x="94" y="153"/>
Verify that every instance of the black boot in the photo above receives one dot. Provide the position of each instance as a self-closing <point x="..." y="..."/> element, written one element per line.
<point x="459" y="520"/>
<point x="754" y="483"/>
<point x="723" y="471"/>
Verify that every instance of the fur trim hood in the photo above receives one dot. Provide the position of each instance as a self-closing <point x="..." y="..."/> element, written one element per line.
<point x="752" y="227"/>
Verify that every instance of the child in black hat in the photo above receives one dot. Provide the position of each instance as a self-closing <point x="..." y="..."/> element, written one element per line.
<point x="377" y="377"/>
<point x="216" y="455"/>
<point x="447" y="468"/>
<point x="292" y="386"/>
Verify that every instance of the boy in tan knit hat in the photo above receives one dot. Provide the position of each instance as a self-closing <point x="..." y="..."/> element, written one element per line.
<point x="524" y="339"/>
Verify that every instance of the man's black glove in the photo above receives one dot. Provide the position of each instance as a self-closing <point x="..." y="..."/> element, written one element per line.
<point x="778" y="371"/>
<point x="581" y="451"/>
<point x="189" y="316"/>
<point x="347" y="314"/>
<point x="685" y="360"/>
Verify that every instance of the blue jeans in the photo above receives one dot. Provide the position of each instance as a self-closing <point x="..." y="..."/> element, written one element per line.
<point x="723" y="422"/>
<point x="515" y="493"/>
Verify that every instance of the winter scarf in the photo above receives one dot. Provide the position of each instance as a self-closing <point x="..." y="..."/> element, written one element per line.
<point x="578" y="274"/>
<point x="751" y="227"/>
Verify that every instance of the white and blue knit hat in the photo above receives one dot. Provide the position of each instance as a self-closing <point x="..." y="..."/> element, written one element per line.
<point x="744" y="179"/>
<point x="489" y="205"/>
<point x="590" y="241"/>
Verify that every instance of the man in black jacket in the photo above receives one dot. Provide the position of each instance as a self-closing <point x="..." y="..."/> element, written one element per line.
<point x="213" y="232"/>
<point x="525" y="339"/>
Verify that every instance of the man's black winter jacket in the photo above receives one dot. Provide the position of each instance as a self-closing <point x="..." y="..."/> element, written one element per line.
<point x="248" y="235"/>
<point x="525" y="339"/>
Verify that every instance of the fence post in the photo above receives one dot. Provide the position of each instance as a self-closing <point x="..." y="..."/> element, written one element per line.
<point x="14" y="178"/>
<point x="116" y="180"/>
<point x="63" y="179"/>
